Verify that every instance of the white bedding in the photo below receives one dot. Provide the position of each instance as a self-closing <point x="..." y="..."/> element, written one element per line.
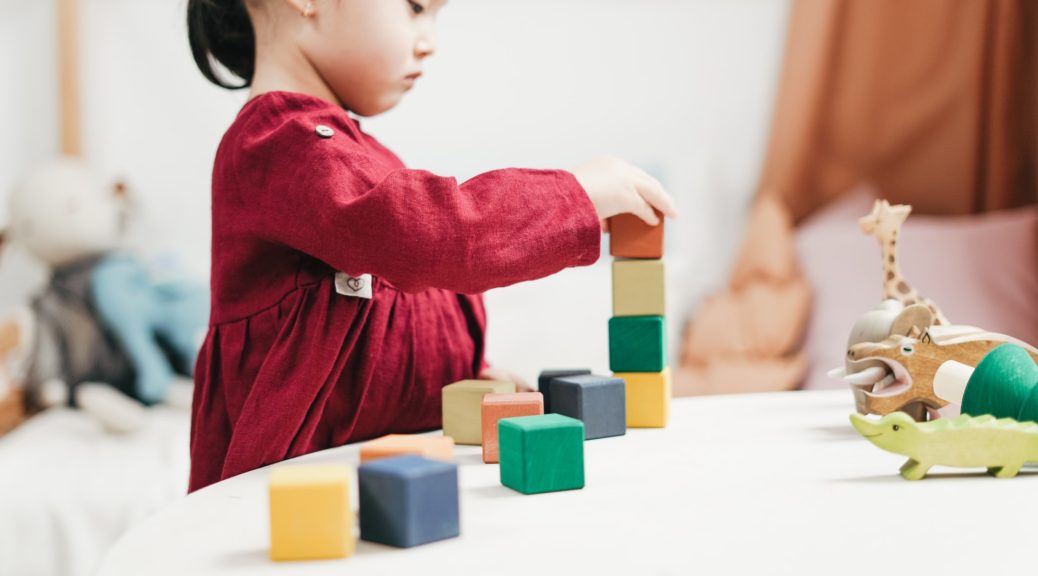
<point x="68" y="489"/>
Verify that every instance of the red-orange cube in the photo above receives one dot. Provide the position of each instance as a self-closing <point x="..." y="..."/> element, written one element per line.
<point x="498" y="406"/>
<point x="631" y="237"/>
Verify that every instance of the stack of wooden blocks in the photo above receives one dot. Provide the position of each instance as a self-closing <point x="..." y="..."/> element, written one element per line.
<point x="408" y="485"/>
<point x="637" y="330"/>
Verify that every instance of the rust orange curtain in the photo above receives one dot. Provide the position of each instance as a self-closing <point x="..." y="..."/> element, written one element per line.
<point x="933" y="101"/>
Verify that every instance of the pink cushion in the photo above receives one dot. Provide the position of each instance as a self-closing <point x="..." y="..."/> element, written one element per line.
<point x="981" y="270"/>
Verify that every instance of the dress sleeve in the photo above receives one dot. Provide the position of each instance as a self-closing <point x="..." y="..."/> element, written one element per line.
<point x="329" y="198"/>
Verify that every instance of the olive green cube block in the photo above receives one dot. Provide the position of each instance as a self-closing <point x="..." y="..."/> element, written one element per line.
<point x="638" y="288"/>
<point x="463" y="408"/>
<point x="637" y="344"/>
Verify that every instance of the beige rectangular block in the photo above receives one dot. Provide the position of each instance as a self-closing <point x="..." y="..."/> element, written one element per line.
<point x="462" y="408"/>
<point x="639" y="288"/>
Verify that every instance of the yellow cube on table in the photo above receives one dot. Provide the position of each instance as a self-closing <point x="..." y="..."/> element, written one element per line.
<point x="310" y="513"/>
<point x="648" y="398"/>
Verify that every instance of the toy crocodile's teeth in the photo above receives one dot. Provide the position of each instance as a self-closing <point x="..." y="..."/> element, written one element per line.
<point x="871" y="375"/>
<point x="886" y="382"/>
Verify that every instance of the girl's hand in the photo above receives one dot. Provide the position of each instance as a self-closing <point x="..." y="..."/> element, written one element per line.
<point x="501" y="375"/>
<point x="616" y="187"/>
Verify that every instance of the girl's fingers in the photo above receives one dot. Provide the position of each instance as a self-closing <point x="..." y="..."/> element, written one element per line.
<point x="654" y="194"/>
<point x="643" y="210"/>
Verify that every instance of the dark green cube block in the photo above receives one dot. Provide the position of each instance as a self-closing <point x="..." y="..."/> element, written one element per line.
<point x="541" y="453"/>
<point x="637" y="344"/>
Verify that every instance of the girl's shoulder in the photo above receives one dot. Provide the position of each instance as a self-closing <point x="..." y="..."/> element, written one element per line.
<point x="285" y="139"/>
<point x="292" y="115"/>
<point x="288" y="124"/>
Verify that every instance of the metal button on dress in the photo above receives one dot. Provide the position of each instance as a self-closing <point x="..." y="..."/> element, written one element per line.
<point x="324" y="131"/>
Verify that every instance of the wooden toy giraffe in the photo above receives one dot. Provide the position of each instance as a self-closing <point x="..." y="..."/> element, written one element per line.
<point x="884" y="223"/>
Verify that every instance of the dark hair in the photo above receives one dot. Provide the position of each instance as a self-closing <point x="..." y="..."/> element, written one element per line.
<point x="221" y="30"/>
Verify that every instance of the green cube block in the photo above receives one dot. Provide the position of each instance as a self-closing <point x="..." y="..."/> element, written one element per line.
<point x="637" y="344"/>
<point x="541" y="453"/>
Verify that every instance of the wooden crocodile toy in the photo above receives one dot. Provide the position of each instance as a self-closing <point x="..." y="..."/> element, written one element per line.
<point x="1002" y="446"/>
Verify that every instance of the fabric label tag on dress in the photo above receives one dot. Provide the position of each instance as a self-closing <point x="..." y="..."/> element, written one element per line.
<point x="357" y="287"/>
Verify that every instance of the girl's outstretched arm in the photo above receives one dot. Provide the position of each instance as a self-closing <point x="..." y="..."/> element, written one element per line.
<point x="414" y="228"/>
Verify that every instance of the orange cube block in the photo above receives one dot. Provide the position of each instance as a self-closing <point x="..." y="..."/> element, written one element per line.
<point x="432" y="447"/>
<point x="631" y="237"/>
<point x="498" y="406"/>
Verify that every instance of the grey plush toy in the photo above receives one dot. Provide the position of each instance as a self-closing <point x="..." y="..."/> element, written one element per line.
<point x="100" y="336"/>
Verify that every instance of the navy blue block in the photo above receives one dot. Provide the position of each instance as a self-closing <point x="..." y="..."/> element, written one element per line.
<point x="599" y="401"/>
<point x="408" y="500"/>
<point x="544" y="383"/>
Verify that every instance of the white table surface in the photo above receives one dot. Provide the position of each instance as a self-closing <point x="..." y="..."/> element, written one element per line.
<point x="770" y="484"/>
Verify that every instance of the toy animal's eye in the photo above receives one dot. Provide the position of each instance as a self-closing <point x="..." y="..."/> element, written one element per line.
<point x="907" y="350"/>
<point x="896" y="427"/>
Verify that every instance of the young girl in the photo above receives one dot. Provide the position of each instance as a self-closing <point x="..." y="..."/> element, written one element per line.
<point x="345" y="287"/>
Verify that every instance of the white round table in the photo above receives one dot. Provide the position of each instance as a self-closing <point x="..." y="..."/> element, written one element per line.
<point x="773" y="483"/>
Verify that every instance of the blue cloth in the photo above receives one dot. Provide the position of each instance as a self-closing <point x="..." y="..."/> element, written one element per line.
<point x="158" y="324"/>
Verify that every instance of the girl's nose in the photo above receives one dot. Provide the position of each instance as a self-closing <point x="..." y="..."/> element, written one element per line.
<point x="424" y="48"/>
<point x="425" y="42"/>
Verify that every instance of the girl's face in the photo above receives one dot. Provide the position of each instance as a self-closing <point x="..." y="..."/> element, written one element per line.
<point x="370" y="52"/>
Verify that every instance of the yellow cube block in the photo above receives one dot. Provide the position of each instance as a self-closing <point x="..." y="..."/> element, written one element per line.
<point x="638" y="288"/>
<point x="310" y="513"/>
<point x="648" y="398"/>
<point x="463" y="408"/>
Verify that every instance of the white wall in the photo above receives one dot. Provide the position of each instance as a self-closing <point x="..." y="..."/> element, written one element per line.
<point x="681" y="87"/>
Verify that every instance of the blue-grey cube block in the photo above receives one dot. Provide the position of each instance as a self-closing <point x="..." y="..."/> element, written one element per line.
<point x="408" y="500"/>
<point x="599" y="401"/>
<point x="544" y="383"/>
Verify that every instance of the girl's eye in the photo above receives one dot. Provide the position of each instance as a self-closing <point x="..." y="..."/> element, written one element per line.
<point x="416" y="7"/>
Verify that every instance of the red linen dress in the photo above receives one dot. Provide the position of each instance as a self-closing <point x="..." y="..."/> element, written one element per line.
<point x="290" y="365"/>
